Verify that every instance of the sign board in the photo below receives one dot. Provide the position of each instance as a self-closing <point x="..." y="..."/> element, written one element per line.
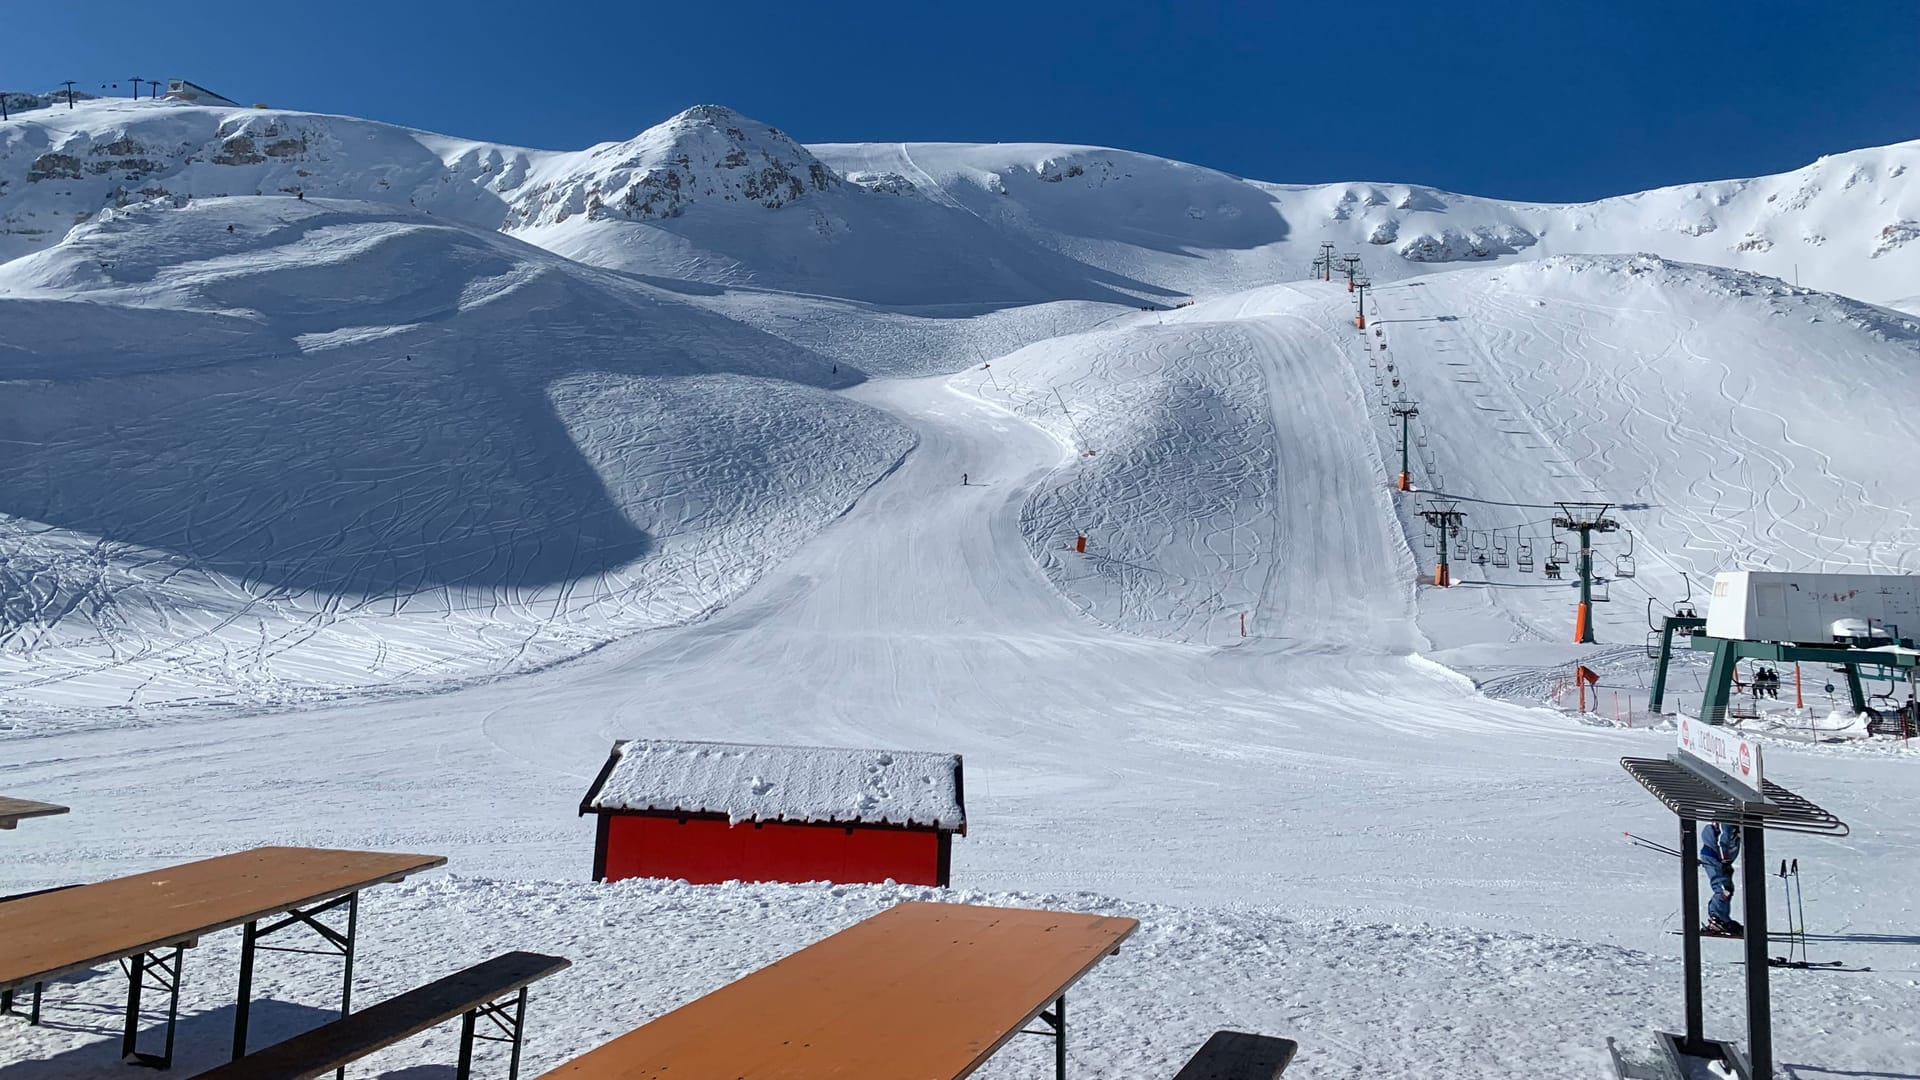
<point x="1733" y="757"/>
<point x="1755" y="605"/>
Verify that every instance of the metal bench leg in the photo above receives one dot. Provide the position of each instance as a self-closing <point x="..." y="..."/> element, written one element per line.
<point x="165" y="976"/>
<point x="33" y="1013"/>
<point x="464" y="1070"/>
<point x="512" y="1028"/>
<point x="519" y="1032"/>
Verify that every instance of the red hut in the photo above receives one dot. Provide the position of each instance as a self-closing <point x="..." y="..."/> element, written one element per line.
<point x="711" y="812"/>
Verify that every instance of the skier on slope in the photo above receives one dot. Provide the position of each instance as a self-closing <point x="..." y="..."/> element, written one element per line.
<point x="1719" y="847"/>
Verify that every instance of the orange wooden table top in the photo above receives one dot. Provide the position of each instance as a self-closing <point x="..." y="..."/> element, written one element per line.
<point x="918" y="992"/>
<point x="73" y="929"/>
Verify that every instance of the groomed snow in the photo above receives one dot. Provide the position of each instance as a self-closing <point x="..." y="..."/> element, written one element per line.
<point x="758" y="782"/>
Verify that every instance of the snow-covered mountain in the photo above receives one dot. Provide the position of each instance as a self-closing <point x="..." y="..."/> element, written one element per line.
<point x="307" y="403"/>
<point x="714" y="197"/>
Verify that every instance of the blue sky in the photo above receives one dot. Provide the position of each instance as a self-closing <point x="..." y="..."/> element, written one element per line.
<point x="1550" y="100"/>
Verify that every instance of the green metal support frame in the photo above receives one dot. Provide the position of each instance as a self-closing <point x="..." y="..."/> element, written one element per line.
<point x="1671" y="624"/>
<point x="1728" y="652"/>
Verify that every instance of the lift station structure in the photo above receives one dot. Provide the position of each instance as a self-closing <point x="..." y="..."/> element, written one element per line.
<point x="1849" y="621"/>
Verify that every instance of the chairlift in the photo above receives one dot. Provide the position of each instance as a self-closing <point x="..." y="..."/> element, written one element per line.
<point x="1599" y="590"/>
<point x="1653" y="643"/>
<point x="1426" y="538"/>
<point x="1396" y="380"/>
<point x="1500" y="557"/>
<point x="1479" y="550"/>
<point x="1523" y="555"/>
<point x="1623" y="564"/>
<point x="1553" y="570"/>
<point x="1558" y="552"/>
<point x="1420" y="439"/>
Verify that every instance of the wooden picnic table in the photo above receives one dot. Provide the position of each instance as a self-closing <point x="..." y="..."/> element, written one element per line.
<point x="12" y="810"/>
<point x="141" y="917"/>
<point x="921" y="991"/>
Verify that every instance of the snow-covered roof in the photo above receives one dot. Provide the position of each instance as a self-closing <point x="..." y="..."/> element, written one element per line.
<point x="752" y="782"/>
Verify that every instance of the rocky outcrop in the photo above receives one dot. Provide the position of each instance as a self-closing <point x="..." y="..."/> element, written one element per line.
<point x="708" y="153"/>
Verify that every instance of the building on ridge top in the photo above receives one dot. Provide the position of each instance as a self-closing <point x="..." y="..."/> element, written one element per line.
<point x="709" y="812"/>
<point x="195" y="94"/>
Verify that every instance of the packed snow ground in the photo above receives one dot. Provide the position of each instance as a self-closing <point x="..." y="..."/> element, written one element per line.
<point x="1347" y="840"/>
<point x="373" y="439"/>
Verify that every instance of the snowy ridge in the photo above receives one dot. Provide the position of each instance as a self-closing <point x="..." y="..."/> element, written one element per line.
<point x="810" y="784"/>
<point x="342" y="447"/>
<point x="715" y="197"/>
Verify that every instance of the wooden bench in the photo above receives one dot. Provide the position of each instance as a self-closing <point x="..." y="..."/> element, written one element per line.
<point x="921" y="990"/>
<point x="470" y="994"/>
<point x="1236" y="1055"/>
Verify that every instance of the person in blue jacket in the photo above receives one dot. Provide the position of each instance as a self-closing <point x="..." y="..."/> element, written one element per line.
<point x="1719" y="847"/>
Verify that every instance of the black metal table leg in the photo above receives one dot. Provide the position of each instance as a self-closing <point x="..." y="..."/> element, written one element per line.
<point x="140" y="968"/>
<point x="243" y="1001"/>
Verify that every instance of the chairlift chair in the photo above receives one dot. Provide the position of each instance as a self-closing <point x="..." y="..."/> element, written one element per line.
<point x="1653" y="644"/>
<point x="1558" y="552"/>
<point x="1599" y="590"/>
<point x="1523" y="556"/>
<point x="1623" y="564"/>
<point x="1500" y="557"/>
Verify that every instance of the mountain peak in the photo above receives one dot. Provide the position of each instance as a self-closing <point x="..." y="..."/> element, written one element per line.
<point x="708" y="153"/>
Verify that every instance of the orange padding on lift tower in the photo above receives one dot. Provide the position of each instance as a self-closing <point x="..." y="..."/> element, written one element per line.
<point x="1440" y="575"/>
<point x="1580" y="625"/>
<point x="1080" y="543"/>
<point x="1405" y="483"/>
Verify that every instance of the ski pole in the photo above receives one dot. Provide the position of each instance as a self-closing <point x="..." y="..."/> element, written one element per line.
<point x="1652" y="845"/>
<point x="1786" y="891"/>
<point x="1800" y="890"/>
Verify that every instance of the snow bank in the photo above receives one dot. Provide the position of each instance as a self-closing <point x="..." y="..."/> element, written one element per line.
<point x="752" y="782"/>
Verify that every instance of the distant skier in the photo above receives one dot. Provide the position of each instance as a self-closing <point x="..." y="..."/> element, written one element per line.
<point x="963" y="479"/>
<point x="1719" y="847"/>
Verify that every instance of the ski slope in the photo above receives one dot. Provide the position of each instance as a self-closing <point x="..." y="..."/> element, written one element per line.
<point x="389" y="477"/>
<point x="1299" y="826"/>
